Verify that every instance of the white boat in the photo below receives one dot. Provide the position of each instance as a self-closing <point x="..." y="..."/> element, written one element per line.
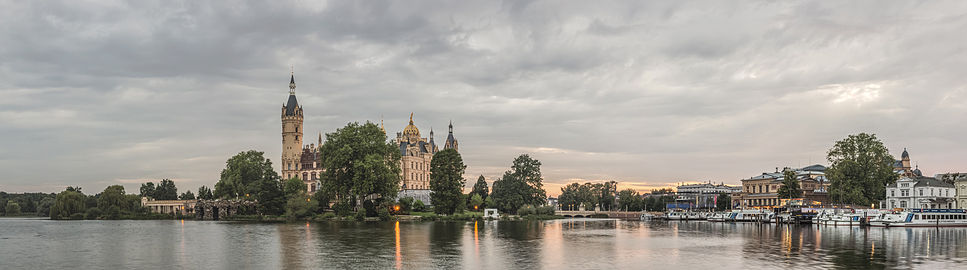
<point x="718" y="216"/>
<point x="676" y="215"/>
<point x="845" y="217"/>
<point x="645" y="216"/>
<point x="922" y="218"/>
<point x="748" y="216"/>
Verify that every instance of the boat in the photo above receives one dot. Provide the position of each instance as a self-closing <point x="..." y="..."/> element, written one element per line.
<point x="676" y="215"/>
<point x="922" y="218"/>
<point x="645" y="216"/>
<point x="846" y="217"/>
<point x="718" y="216"/>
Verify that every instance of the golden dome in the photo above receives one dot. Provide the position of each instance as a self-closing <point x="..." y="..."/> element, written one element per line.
<point x="411" y="129"/>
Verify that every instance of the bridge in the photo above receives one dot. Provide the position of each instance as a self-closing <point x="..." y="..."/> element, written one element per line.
<point x="611" y="214"/>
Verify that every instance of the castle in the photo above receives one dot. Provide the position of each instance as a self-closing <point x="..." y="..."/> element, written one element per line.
<point x="303" y="161"/>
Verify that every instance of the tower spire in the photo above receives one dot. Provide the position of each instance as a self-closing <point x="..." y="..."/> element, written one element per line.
<point x="411" y="118"/>
<point x="292" y="82"/>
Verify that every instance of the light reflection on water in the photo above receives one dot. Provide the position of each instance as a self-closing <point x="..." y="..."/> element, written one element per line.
<point x="571" y="243"/>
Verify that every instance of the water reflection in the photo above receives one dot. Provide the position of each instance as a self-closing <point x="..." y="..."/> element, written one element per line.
<point x="571" y="243"/>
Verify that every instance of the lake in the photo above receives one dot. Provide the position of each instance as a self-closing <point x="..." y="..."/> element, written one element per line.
<point x="555" y="244"/>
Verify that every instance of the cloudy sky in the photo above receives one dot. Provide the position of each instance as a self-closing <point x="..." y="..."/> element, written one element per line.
<point x="646" y="93"/>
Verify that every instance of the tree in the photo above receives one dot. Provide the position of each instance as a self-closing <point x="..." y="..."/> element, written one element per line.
<point x="67" y="204"/>
<point x="112" y="196"/>
<point x="790" y="185"/>
<point x="271" y="199"/>
<point x="723" y="202"/>
<point x="860" y="169"/>
<point x="12" y="209"/>
<point x="476" y="202"/>
<point x="480" y="188"/>
<point x="205" y="193"/>
<point x="358" y="162"/>
<point x="418" y="206"/>
<point x="166" y="190"/>
<point x="187" y="196"/>
<point x="489" y="202"/>
<point x="147" y="190"/>
<point x="293" y="187"/>
<point x="300" y="205"/>
<point x="244" y="174"/>
<point x="521" y="185"/>
<point x="662" y="191"/>
<point x="406" y="204"/>
<point x="323" y="199"/>
<point x="629" y="200"/>
<point x="446" y="181"/>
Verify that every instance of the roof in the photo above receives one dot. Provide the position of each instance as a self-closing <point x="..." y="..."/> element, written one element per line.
<point x="905" y="154"/>
<point x="931" y="182"/>
<point x="292" y="105"/>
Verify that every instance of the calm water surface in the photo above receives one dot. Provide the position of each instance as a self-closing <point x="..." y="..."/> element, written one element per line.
<point x="557" y="244"/>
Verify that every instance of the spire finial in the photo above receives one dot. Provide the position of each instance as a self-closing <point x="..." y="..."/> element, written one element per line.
<point x="292" y="82"/>
<point x="411" y="118"/>
<point x="451" y="126"/>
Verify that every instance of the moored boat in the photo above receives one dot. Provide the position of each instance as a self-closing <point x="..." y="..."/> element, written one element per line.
<point x="922" y="218"/>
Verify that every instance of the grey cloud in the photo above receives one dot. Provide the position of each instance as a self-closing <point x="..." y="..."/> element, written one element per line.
<point x="649" y="93"/>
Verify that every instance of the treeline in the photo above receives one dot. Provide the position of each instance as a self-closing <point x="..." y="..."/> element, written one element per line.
<point x="605" y="196"/>
<point x="112" y="203"/>
<point x="25" y="204"/>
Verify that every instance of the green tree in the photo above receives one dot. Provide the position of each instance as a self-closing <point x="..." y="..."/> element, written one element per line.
<point x="43" y="208"/>
<point x="860" y="169"/>
<point x="187" y="195"/>
<point x="293" y="187"/>
<point x="244" y="174"/>
<point x="406" y="204"/>
<point x="629" y="200"/>
<point x="205" y="193"/>
<point x="521" y="185"/>
<point x="12" y="209"/>
<point x="418" y="206"/>
<point x="67" y="204"/>
<point x="358" y="162"/>
<point x="323" y="199"/>
<point x="446" y="181"/>
<point x="166" y="190"/>
<point x="480" y="188"/>
<point x="112" y="196"/>
<point x="476" y="203"/>
<point x="723" y="202"/>
<point x="147" y="190"/>
<point x="300" y="205"/>
<point x="790" y="185"/>
<point x="271" y="199"/>
<point x="489" y="202"/>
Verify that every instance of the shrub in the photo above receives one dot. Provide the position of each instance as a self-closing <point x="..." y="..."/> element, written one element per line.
<point x="343" y="209"/>
<point x="383" y="214"/>
<point x="406" y="204"/>
<point x="370" y="208"/>
<point x="527" y="209"/>
<point x="327" y="216"/>
<point x="77" y="216"/>
<point x="418" y="206"/>
<point x="360" y="215"/>
<point x="545" y="210"/>
<point x="92" y="213"/>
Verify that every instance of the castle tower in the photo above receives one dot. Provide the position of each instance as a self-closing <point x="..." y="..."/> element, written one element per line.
<point x="451" y="141"/>
<point x="905" y="160"/>
<point x="291" y="134"/>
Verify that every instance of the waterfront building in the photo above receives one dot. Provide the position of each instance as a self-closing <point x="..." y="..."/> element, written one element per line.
<point x="960" y="195"/>
<point x="761" y="191"/>
<point x="703" y="195"/>
<point x="298" y="160"/>
<point x="183" y="207"/>
<point x="416" y="153"/>
<point x="903" y="168"/>
<point x="920" y="192"/>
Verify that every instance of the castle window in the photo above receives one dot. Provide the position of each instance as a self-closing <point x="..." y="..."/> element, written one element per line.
<point x="296" y="137"/>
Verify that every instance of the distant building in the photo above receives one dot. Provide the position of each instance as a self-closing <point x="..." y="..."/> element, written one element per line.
<point x="960" y="184"/>
<point x="416" y="155"/>
<point x="903" y="167"/>
<point x="183" y="207"/>
<point x="298" y="161"/>
<point x="704" y="195"/>
<point x="761" y="191"/>
<point x="920" y="192"/>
